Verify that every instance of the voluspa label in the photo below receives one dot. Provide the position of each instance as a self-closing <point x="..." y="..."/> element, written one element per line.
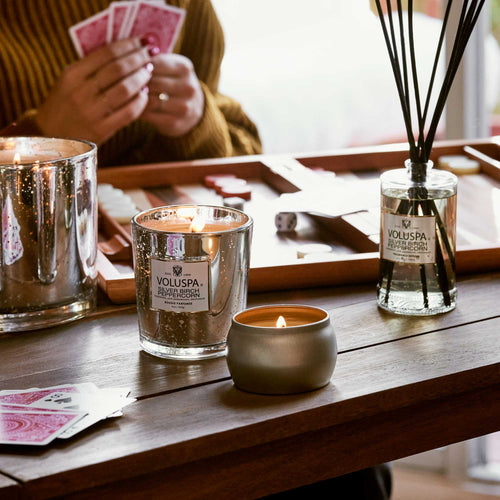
<point x="409" y="239"/>
<point x="179" y="286"/>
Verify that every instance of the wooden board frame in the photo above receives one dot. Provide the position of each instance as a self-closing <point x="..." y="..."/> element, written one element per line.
<point x="275" y="170"/>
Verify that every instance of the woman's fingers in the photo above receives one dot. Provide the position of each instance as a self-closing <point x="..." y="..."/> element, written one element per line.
<point x="96" y="60"/>
<point x="174" y="65"/>
<point x="124" y="90"/>
<point x="100" y="94"/>
<point x="176" y="100"/>
<point x="168" y="104"/>
<point x="178" y="87"/>
<point x="118" y="69"/>
<point x="129" y="112"/>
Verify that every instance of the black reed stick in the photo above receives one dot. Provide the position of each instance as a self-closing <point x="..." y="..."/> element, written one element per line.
<point x="420" y="149"/>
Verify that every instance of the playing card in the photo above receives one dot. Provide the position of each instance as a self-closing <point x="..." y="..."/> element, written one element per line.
<point x="118" y="14"/>
<point x="91" y="33"/>
<point x="125" y="29"/>
<point x="34" y="428"/>
<point x="4" y="407"/>
<point x="30" y="396"/>
<point x="89" y="402"/>
<point x="103" y="410"/>
<point x="160" y="22"/>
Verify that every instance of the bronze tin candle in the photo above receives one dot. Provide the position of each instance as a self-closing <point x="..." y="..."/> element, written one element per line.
<point x="268" y="359"/>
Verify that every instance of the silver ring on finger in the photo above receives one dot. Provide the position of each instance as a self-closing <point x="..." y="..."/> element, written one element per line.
<point x="163" y="97"/>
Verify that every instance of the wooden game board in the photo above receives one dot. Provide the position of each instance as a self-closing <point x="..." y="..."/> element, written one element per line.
<point x="353" y="238"/>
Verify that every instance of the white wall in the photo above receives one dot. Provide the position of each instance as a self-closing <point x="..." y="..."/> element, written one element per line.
<point x="316" y="75"/>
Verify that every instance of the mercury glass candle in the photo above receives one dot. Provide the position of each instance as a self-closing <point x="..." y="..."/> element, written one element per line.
<point x="191" y="271"/>
<point x="281" y="349"/>
<point x="48" y="246"/>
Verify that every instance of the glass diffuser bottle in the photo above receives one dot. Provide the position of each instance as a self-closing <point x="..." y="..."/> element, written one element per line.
<point x="418" y="217"/>
<point x="417" y="240"/>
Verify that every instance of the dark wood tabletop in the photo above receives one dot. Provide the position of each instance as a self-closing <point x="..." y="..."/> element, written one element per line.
<point x="401" y="386"/>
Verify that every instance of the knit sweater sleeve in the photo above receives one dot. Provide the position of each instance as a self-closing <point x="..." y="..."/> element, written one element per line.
<point x="25" y="125"/>
<point x="225" y="129"/>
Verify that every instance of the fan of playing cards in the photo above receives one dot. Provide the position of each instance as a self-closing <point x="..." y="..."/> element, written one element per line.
<point x="153" y="19"/>
<point x="37" y="416"/>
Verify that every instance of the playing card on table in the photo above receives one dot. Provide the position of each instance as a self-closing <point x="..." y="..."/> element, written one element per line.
<point x="90" y="34"/>
<point x="34" y="427"/>
<point x="7" y="407"/>
<point x="31" y="396"/>
<point x="85" y="401"/>
<point x="98" y="409"/>
<point x="161" y="23"/>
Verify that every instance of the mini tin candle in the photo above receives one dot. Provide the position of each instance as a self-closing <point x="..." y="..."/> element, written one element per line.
<point x="191" y="270"/>
<point x="281" y="349"/>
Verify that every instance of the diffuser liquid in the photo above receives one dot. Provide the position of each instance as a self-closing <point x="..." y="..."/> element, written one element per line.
<point x="417" y="271"/>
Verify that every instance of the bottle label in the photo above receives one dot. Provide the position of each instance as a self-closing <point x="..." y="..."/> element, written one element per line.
<point x="179" y="286"/>
<point x="408" y="238"/>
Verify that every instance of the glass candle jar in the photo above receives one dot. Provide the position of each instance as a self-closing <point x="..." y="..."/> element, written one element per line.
<point x="191" y="271"/>
<point x="48" y="246"/>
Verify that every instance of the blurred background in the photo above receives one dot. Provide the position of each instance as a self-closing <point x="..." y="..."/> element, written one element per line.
<point x="316" y="75"/>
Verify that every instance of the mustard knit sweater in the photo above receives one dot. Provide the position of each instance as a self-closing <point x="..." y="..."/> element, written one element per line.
<point x="35" y="47"/>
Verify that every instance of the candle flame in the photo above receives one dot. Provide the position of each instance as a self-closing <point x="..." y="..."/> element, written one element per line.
<point x="186" y="213"/>
<point x="280" y="322"/>
<point x="196" y="226"/>
<point x="17" y="159"/>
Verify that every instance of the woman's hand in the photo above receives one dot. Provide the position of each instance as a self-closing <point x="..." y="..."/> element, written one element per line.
<point x="176" y="100"/>
<point x="99" y="94"/>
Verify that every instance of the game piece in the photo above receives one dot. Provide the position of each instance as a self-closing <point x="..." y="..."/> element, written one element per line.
<point x="459" y="164"/>
<point x="228" y="182"/>
<point x="210" y="179"/>
<point x="285" y="221"/>
<point x="234" y="202"/>
<point x="118" y="204"/>
<point x="244" y="192"/>
<point x="123" y="215"/>
<point x="313" y="248"/>
<point x="104" y="188"/>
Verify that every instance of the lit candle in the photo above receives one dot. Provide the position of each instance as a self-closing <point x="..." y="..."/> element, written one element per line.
<point x="48" y="267"/>
<point x="191" y="265"/>
<point x="281" y="322"/>
<point x="281" y="349"/>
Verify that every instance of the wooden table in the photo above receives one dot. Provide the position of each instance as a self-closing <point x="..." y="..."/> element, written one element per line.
<point x="401" y="386"/>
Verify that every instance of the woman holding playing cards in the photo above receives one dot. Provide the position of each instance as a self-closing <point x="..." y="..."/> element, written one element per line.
<point x="138" y="78"/>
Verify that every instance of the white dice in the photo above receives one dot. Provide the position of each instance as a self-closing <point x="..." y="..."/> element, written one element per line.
<point x="285" y="222"/>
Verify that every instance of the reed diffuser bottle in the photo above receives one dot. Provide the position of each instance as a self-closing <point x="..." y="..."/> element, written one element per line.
<point x="417" y="240"/>
<point x="418" y="205"/>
